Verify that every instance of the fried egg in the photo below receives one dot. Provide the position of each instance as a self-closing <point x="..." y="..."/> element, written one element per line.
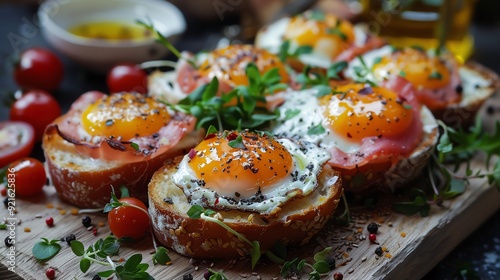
<point x="227" y="64"/>
<point x="435" y="77"/>
<point x="249" y="171"/>
<point x="347" y="119"/>
<point x="330" y="38"/>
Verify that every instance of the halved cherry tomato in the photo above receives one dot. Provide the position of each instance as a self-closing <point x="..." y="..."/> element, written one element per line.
<point x="36" y="107"/>
<point x="128" y="221"/>
<point x="16" y="141"/>
<point x="127" y="77"/>
<point x="38" y="69"/>
<point x="26" y="176"/>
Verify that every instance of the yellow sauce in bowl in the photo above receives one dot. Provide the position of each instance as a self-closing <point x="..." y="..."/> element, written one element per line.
<point x="111" y="31"/>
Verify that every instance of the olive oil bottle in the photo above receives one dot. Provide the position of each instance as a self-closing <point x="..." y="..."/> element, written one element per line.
<point x="426" y="23"/>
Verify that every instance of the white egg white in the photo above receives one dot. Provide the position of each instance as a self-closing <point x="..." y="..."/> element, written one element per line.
<point x="307" y="158"/>
<point x="300" y="114"/>
<point x="271" y="39"/>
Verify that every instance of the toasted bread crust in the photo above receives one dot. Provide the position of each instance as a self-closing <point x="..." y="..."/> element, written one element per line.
<point x="297" y="223"/>
<point x="463" y="114"/>
<point x="383" y="174"/>
<point x="81" y="181"/>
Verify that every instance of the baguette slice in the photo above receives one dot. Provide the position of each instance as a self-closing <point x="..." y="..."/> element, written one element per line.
<point x="85" y="176"/>
<point x="298" y="221"/>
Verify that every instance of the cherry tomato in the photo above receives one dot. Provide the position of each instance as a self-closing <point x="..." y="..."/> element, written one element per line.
<point x="127" y="77"/>
<point x="16" y="141"/>
<point x="26" y="176"/>
<point x="38" y="69"/>
<point x="128" y="221"/>
<point x="36" y="107"/>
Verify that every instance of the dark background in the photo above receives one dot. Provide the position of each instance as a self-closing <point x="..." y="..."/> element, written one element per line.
<point x="477" y="257"/>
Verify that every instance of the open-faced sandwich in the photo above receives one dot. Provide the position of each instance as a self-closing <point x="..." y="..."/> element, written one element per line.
<point x="228" y="65"/>
<point x="109" y="141"/>
<point x="375" y="134"/>
<point x="452" y="91"/>
<point x="316" y="39"/>
<point x="265" y="188"/>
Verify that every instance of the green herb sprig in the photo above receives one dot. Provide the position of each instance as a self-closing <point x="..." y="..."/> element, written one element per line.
<point x="456" y="147"/>
<point x="101" y="253"/>
<point x="210" y="109"/>
<point x="309" y="78"/>
<point x="198" y="212"/>
<point x="165" y="42"/>
<point x="285" y="52"/>
<point x="318" y="268"/>
<point x="363" y="72"/>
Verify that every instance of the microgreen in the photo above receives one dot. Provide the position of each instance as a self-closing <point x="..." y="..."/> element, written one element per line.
<point x="100" y="253"/>
<point x="377" y="60"/>
<point x="455" y="148"/>
<point x="318" y="268"/>
<point x="316" y="129"/>
<point x="161" y="256"/>
<point x="216" y="275"/>
<point x="310" y="78"/>
<point x="164" y="41"/>
<point x="285" y="52"/>
<point x="237" y="143"/>
<point x="291" y="113"/>
<point x="46" y="249"/>
<point x="338" y="32"/>
<point x="3" y="226"/>
<point x="198" y="212"/>
<point x="219" y="111"/>
<point x="135" y="146"/>
<point x="317" y="15"/>
<point x="402" y="73"/>
<point x="435" y="75"/>
<point x="363" y="72"/>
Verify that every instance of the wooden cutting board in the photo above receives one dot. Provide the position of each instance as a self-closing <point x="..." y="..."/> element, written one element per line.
<point x="414" y="244"/>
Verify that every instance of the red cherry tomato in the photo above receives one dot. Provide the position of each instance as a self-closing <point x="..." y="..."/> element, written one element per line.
<point x="16" y="141"/>
<point x="128" y="221"/>
<point x="36" y="107"/>
<point x="127" y="77"/>
<point x="38" y="69"/>
<point x="26" y="176"/>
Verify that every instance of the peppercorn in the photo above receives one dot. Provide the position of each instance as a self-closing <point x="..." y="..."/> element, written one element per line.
<point x="331" y="262"/>
<point x="50" y="273"/>
<point x="86" y="221"/>
<point x="372" y="228"/>
<point x="338" y="276"/>
<point x="379" y="251"/>
<point x="207" y="274"/>
<point x="69" y="238"/>
<point x="49" y="221"/>
<point x="372" y="237"/>
<point x="8" y="242"/>
<point x="187" y="277"/>
<point x="96" y="277"/>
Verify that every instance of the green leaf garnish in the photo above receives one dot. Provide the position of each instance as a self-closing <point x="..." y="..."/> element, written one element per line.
<point x="46" y="249"/>
<point x="237" y="143"/>
<point x="135" y="146"/>
<point x="419" y="204"/>
<point x="402" y="73"/>
<point x="291" y="113"/>
<point x="211" y="130"/>
<point x="316" y="129"/>
<point x="334" y="70"/>
<point x="338" y="32"/>
<point x="322" y="90"/>
<point x="435" y="75"/>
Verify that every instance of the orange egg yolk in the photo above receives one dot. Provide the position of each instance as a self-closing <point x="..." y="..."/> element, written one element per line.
<point x="415" y="66"/>
<point x="125" y="116"/>
<point x="355" y="112"/>
<point x="327" y="34"/>
<point x="240" y="164"/>
<point x="229" y="64"/>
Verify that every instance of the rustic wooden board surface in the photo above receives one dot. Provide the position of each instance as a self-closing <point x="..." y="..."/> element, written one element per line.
<point x="414" y="244"/>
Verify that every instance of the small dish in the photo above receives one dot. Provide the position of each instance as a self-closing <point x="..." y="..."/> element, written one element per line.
<point x="58" y="17"/>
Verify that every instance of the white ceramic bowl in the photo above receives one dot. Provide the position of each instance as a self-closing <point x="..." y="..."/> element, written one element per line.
<point x="57" y="16"/>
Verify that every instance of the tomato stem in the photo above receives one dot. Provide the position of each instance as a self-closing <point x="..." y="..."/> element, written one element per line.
<point x="134" y="206"/>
